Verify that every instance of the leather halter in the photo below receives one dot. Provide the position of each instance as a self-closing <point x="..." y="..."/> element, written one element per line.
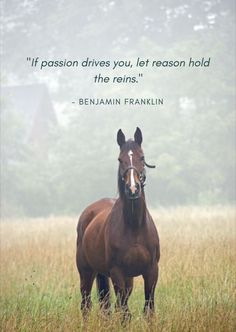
<point x="149" y="166"/>
<point x="141" y="176"/>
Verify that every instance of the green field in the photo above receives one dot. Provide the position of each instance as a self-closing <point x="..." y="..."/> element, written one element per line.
<point x="196" y="288"/>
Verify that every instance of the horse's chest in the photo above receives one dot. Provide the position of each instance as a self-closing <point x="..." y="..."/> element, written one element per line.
<point x="135" y="259"/>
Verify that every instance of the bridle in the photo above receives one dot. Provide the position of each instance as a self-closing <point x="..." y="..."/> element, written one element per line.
<point x="141" y="175"/>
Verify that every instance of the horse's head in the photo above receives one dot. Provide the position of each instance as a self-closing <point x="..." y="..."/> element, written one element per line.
<point x="132" y="175"/>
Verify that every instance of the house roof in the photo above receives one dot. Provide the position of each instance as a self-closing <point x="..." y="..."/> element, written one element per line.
<point x="30" y="102"/>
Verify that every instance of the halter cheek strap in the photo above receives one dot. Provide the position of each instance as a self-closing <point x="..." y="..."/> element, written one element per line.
<point x="141" y="176"/>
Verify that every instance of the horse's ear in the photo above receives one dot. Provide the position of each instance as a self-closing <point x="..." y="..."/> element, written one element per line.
<point x="120" y="137"/>
<point x="138" y="137"/>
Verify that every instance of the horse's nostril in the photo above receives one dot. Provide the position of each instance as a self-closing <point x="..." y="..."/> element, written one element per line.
<point x="133" y="190"/>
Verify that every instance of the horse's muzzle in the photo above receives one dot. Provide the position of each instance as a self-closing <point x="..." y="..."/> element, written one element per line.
<point x="133" y="192"/>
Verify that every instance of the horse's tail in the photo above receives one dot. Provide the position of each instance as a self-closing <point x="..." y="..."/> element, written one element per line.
<point x="103" y="288"/>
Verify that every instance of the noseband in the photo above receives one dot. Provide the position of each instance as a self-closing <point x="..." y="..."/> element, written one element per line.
<point x="141" y="176"/>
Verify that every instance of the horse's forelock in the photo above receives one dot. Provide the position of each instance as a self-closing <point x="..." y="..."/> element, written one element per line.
<point x="130" y="145"/>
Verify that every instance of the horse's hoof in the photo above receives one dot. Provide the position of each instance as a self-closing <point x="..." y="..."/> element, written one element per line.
<point x="126" y="318"/>
<point x="148" y="312"/>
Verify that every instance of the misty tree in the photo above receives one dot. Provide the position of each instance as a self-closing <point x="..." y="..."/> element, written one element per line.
<point x="193" y="141"/>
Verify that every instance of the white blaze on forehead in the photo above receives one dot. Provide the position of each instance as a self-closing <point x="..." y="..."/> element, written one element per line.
<point x="130" y="154"/>
<point x="132" y="181"/>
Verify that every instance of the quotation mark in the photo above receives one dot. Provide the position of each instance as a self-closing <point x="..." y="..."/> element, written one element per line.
<point x="33" y="61"/>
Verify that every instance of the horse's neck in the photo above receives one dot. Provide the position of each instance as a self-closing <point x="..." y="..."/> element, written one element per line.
<point x="134" y="212"/>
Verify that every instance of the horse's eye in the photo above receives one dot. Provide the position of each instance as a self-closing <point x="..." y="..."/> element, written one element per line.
<point x="142" y="158"/>
<point x="119" y="160"/>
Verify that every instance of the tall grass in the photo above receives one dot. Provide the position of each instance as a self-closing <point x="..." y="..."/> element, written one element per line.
<point x="196" y="288"/>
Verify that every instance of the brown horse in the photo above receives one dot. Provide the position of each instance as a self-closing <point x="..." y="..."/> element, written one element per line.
<point x="117" y="239"/>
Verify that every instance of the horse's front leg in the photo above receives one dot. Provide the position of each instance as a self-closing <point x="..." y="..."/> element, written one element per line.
<point x="123" y="288"/>
<point x="150" y="281"/>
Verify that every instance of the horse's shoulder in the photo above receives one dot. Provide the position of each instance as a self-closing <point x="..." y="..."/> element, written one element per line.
<point x="91" y="211"/>
<point x="152" y="228"/>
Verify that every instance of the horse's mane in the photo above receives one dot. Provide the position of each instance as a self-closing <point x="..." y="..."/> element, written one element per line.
<point x="121" y="184"/>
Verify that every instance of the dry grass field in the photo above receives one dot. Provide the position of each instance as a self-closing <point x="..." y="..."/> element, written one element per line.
<point x="196" y="289"/>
